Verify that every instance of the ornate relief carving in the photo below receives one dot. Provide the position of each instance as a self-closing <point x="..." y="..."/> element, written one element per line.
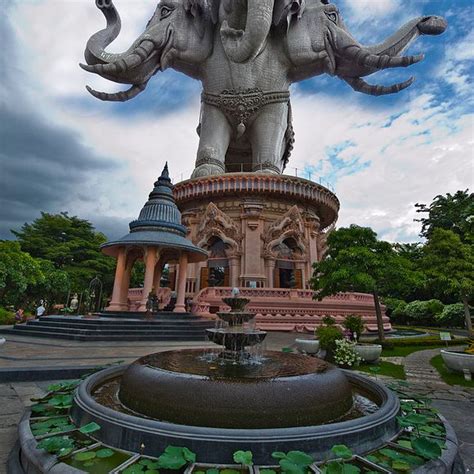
<point x="217" y="224"/>
<point x="290" y="225"/>
<point x="322" y="242"/>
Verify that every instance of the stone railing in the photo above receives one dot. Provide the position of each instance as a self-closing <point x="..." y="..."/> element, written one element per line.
<point x="291" y="309"/>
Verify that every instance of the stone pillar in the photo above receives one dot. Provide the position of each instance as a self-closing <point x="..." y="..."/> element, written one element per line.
<point x="130" y="260"/>
<point x="270" y="269"/>
<point x="150" y="262"/>
<point x="180" y="306"/>
<point x="234" y="270"/>
<point x="117" y="303"/>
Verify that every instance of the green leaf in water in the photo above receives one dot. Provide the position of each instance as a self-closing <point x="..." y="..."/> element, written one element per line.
<point x="104" y="453"/>
<point x="243" y="457"/>
<point x="267" y="471"/>
<point x="404" y="443"/>
<point x="212" y="471"/>
<point x="175" y="458"/>
<point x="341" y="451"/>
<point x="229" y="471"/>
<point x="134" y="469"/>
<point x="55" y="444"/>
<point x="278" y="455"/>
<point x="89" y="428"/>
<point x="85" y="456"/>
<point x="401" y="466"/>
<point x="426" y="448"/>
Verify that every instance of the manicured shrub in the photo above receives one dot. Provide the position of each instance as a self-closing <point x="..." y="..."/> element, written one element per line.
<point x="329" y="321"/>
<point x="328" y="335"/>
<point x="345" y="354"/>
<point x="355" y="325"/>
<point x="423" y="312"/>
<point x="395" y="309"/>
<point x="6" y="317"/>
<point x="452" y="316"/>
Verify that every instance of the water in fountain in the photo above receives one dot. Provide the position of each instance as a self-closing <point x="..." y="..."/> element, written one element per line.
<point x="235" y="335"/>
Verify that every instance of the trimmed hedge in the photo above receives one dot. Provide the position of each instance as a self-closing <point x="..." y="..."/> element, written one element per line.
<point x="420" y="341"/>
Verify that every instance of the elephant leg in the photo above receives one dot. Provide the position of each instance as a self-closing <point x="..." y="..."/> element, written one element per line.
<point x="214" y="140"/>
<point x="267" y="135"/>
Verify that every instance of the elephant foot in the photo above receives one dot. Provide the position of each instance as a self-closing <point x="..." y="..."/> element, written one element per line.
<point x="207" y="170"/>
<point x="266" y="168"/>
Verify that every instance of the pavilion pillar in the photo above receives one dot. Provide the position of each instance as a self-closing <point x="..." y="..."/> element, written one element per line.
<point x="129" y="261"/>
<point x="117" y="302"/>
<point x="150" y="263"/>
<point x="180" y="306"/>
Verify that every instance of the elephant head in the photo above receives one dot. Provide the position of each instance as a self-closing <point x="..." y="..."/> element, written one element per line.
<point x="319" y="43"/>
<point x="179" y="34"/>
<point x="243" y="42"/>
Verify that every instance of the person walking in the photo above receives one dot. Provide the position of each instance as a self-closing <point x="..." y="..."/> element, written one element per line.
<point x="19" y="316"/>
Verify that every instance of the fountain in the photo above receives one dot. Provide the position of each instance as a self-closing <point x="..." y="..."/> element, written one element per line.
<point x="230" y="398"/>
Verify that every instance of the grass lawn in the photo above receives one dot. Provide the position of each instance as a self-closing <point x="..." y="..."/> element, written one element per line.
<point x="386" y="368"/>
<point x="451" y="378"/>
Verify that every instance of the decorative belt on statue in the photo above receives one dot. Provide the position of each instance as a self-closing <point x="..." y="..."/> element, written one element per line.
<point x="243" y="104"/>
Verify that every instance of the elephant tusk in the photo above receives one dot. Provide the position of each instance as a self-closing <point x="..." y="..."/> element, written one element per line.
<point x="384" y="61"/>
<point x="133" y="60"/>
<point x="121" y="96"/>
<point x="359" y="85"/>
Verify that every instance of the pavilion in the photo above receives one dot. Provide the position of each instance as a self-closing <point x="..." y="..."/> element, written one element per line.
<point x="158" y="238"/>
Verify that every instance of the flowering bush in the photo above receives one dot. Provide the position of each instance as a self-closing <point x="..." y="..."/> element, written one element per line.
<point x="345" y="354"/>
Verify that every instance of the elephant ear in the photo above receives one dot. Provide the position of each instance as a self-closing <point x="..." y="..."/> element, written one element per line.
<point x="287" y="9"/>
<point x="203" y="11"/>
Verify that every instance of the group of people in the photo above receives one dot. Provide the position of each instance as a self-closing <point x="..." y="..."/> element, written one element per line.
<point x="20" y="313"/>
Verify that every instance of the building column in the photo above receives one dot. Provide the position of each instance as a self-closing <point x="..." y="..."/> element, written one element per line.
<point x="126" y="281"/>
<point x="270" y="264"/>
<point x="116" y="303"/>
<point x="150" y="262"/>
<point x="180" y="306"/>
<point x="234" y="271"/>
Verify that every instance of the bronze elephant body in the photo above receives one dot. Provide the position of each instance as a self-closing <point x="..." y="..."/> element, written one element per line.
<point x="247" y="53"/>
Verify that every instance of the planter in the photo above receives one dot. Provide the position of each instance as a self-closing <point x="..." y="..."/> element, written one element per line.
<point x="308" y="346"/>
<point x="203" y="467"/>
<point x="459" y="362"/>
<point x="368" y="352"/>
<point x="357" y="461"/>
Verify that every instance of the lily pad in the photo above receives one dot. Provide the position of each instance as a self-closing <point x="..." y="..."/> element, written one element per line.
<point x="85" y="456"/>
<point x="341" y="451"/>
<point x="104" y="453"/>
<point x="426" y="448"/>
<point x="89" y="428"/>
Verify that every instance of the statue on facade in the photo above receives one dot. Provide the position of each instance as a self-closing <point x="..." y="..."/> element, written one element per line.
<point x="247" y="53"/>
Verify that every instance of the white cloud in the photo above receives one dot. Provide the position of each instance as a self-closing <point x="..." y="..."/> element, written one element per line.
<point x="424" y="152"/>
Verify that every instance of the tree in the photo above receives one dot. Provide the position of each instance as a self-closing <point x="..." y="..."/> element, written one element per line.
<point x="357" y="261"/>
<point x="70" y="244"/>
<point x="18" y="271"/>
<point x="455" y="213"/>
<point x="24" y="279"/>
<point x="449" y="266"/>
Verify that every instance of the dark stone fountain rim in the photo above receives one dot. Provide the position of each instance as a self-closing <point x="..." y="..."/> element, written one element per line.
<point x="84" y="402"/>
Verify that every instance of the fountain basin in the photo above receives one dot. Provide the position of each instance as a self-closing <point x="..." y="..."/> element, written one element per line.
<point x="286" y="390"/>
<point x="216" y="445"/>
<point x="236" y="303"/>
<point x="235" y="341"/>
<point x="236" y="319"/>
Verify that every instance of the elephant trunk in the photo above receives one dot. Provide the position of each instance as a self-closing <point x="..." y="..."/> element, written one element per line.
<point x="95" y="50"/>
<point x="240" y="46"/>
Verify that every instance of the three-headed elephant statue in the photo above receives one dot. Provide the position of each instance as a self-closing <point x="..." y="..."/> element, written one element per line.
<point x="247" y="53"/>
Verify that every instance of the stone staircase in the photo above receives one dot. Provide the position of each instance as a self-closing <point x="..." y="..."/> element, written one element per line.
<point x="165" y="326"/>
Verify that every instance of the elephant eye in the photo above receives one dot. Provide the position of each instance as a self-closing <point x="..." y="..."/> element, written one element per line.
<point x="332" y="16"/>
<point x="165" y="11"/>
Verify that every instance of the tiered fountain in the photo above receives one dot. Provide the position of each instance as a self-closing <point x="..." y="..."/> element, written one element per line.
<point x="227" y="400"/>
<point x="233" y="336"/>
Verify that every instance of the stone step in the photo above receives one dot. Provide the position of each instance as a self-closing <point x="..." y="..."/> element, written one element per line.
<point x="98" y="336"/>
<point x="118" y="325"/>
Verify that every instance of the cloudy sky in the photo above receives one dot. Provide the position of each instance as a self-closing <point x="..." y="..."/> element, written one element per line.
<point x="63" y="150"/>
